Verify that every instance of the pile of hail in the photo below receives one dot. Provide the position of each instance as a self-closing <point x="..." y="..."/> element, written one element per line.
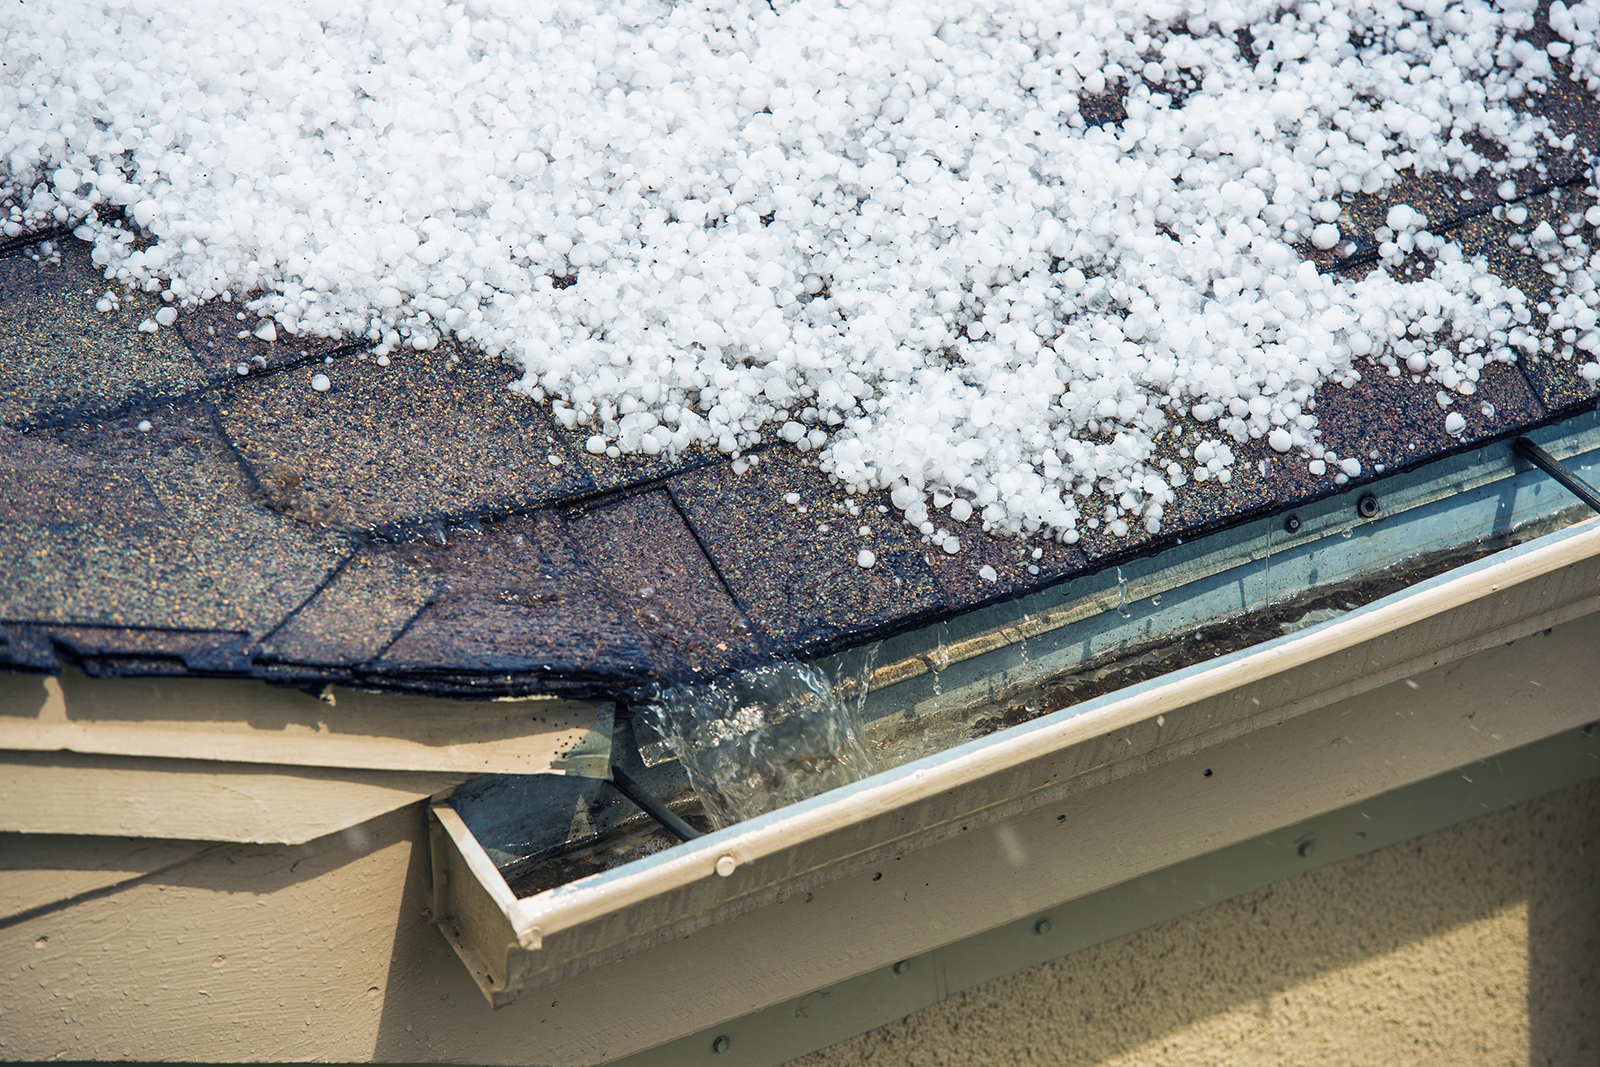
<point x="884" y="232"/>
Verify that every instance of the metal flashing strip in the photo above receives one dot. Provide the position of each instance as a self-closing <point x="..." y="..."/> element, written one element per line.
<point x="1075" y="756"/>
<point x="823" y="1017"/>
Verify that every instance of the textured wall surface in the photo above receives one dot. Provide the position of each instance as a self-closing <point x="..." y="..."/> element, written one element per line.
<point x="1475" y="945"/>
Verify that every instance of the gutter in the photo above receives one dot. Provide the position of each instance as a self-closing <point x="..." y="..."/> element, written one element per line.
<point x="1286" y="717"/>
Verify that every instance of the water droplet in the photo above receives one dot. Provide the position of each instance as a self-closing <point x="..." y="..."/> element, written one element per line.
<point x="938" y="660"/>
<point x="1266" y="580"/>
<point x="1022" y="628"/>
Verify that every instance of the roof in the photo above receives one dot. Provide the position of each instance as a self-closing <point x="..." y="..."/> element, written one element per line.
<point x="419" y="526"/>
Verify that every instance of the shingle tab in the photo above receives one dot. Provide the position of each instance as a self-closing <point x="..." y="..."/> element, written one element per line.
<point x="1556" y="381"/>
<point x="611" y="473"/>
<point x="515" y="603"/>
<point x="640" y="549"/>
<point x="795" y="573"/>
<point x="1396" y="422"/>
<point x="425" y="439"/>
<point x="109" y="651"/>
<point x="212" y="334"/>
<point x="59" y="357"/>
<point x="961" y="577"/>
<point x="356" y="615"/>
<point x="190" y="551"/>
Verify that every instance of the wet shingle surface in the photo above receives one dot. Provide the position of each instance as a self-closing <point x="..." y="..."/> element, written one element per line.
<point x="625" y="470"/>
<point x="111" y="525"/>
<point x="419" y="526"/>
<point x="964" y="577"/>
<point x="355" y="616"/>
<point x="516" y="607"/>
<point x="28" y="648"/>
<point x="789" y="546"/>
<point x="230" y="342"/>
<point x="644" y="554"/>
<point x="433" y="435"/>
<point x="60" y="358"/>
<point x="1553" y="370"/>
<point x="1206" y="505"/>
<point x="1390" y="423"/>
<point x="110" y="651"/>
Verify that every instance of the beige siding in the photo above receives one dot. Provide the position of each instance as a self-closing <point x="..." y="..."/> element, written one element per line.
<point x="1474" y="945"/>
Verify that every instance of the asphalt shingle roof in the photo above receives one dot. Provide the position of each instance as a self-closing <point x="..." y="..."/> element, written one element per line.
<point x="421" y="527"/>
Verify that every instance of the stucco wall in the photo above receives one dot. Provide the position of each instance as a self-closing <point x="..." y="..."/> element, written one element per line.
<point x="1479" y="944"/>
<point x="1476" y="945"/>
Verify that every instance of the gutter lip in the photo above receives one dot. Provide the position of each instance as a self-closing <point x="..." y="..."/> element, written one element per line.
<point x="590" y="898"/>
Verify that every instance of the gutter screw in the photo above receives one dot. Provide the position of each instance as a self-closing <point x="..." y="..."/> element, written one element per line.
<point x="1367" y="507"/>
<point x="1291" y="524"/>
<point x="1042" y="926"/>
<point x="721" y="1044"/>
<point x="1306" y="847"/>
<point x="902" y="967"/>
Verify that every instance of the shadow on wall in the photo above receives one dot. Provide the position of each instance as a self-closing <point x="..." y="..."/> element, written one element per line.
<point x="1476" y="944"/>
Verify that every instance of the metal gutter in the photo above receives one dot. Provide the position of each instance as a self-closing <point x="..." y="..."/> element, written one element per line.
<point x="1087" y="751"/>
<point x="1122" y="824"/>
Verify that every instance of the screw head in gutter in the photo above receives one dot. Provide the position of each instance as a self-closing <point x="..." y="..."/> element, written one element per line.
<point x="721" y="1044"/>
<point x="1367" y="506"/>
<point x="1291" y="524"/>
